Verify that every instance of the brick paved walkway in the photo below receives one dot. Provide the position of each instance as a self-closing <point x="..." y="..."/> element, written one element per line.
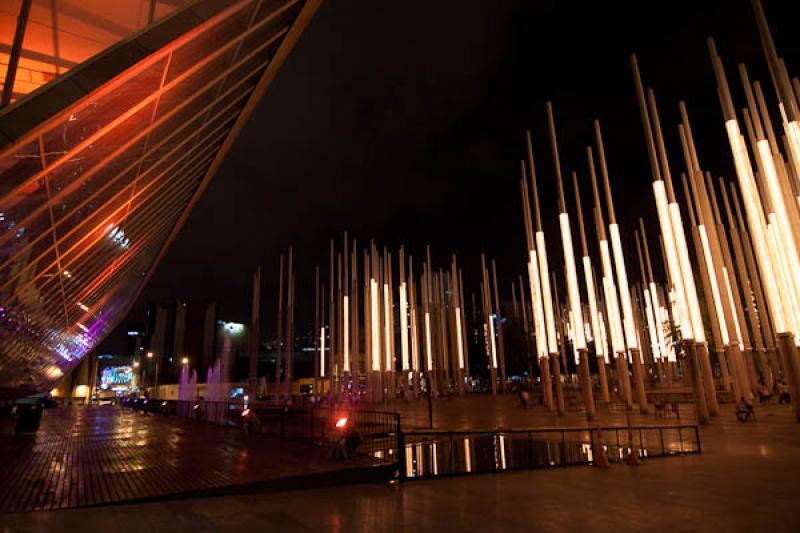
<point x="85" y="456"/>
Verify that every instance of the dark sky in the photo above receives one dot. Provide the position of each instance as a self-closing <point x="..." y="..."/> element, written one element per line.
<point x="404" y="122"/>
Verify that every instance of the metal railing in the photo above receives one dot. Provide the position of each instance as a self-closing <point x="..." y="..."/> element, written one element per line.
<point x="377" y="431"/>
<point x="437" y="453"/>
<point x="373" y="433"/>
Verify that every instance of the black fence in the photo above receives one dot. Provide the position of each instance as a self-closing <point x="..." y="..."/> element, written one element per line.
<point x="443" y="453"/>
<point x="372" y="433"/>
<point x="354" y="431"/>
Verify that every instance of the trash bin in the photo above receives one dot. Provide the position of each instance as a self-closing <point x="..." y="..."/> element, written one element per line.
<point x="29" y="416"/>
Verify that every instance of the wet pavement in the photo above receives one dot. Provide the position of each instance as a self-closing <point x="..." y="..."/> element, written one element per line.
<point x="86" y="456"/>
<point x="484" y="411"/>
<point x="745" y="480"/>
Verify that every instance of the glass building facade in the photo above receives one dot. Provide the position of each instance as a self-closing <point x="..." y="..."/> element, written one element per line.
<point x="122" y="111"/>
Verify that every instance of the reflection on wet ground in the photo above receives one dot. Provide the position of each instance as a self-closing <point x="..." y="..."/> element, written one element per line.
<point x="92" y="455"/>
<point x="433" y="454"/>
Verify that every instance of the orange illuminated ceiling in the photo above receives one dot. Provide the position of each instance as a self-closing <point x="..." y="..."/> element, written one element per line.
<point x="99" y="168"/>
<point x="60" y="34"/>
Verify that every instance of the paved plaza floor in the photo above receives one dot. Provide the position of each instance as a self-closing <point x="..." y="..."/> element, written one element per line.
<point x="98" y="455"/>
<point x="746" y="479"/>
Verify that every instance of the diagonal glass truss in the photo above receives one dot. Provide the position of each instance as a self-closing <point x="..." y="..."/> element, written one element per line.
<point x="91" y="197"/>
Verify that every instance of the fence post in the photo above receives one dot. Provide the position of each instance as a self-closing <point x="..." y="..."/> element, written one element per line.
<point x="283" y="422"/>
<point x="661" y="434"/>
<point x="401" y="449"/>
<point x="530" y="450"/>
<point x="452" y="453"/>
<point x="697" y="438"/>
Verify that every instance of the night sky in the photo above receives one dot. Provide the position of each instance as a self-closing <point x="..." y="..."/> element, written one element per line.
<point x="404" y="122"/>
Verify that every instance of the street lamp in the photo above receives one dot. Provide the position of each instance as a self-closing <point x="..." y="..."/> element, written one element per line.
<point x="155" y="377"/>
<point x="185" y="361"/>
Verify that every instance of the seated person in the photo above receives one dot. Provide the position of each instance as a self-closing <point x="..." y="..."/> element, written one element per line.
<point x="744" y="410"/>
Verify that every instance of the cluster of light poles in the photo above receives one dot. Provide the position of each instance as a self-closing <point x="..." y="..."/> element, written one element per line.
<point x="397" y="328"/>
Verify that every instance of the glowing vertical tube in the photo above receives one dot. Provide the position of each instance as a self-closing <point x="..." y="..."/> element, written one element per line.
<point x="387" y="310"/>
<point x="538" y="308"/>
<point x="572" y="283"/>
<point x="593" y="310"/>
<point x="346" y="333"/>
<point x="322" y="352"/>
<point x="715" y="293"/>
<point x="459" y="339"/>
<point x="665" y="222"/>
<point x="624" y="290"/>
<point x="428" y="348"/>
<point x="375" y="325"/>
<point x="404" y="325"/>
<point x="547" y="299"/>
<point x="492" y="340"/>
<point x="651" y="324"/>
<point x="610" y="291"/>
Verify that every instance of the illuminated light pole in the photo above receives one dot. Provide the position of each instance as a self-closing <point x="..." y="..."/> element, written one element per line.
<point x="649" y="316"/>
<point x="573" y="290"/>
<point x="346" y="363"/>
<point x="666" y="355"/>
<point x="489" y="326"/>
<point x="374" y="384"/>
<point x="523" y="315"/>
<point x="279" y="333"/>
<point x="459" y="332"/>
<point x="355" y="329"/>
<point x="404" y="312"/>
<point x="546" y="296"/>
<point x="367" y="288"/>
<point x="534" y="281"/>
<point x="414" y="316"/>
<point x="441" y="305"/>
<point x="465" y="348"/>
<point x="500" y="339"/>
<point x="334" y="369"/>
<point x="676" y="255"/>
<point x="762" y="340"/>
<point x="387" y="324"/>
<point x="427" y="288"/>
<point x="319" y="334"/>
<point x="591" y="291"/>
<point x="610" y="292"/>
<point x="732" y="281"/>
<point x="622" y="278"/>
<point x="719" y="329"/>
<point x="322" y="350"/>
<point x="711" y="241"/>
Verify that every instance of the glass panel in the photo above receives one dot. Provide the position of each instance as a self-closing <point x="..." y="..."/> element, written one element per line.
<point x="98" y="113"/>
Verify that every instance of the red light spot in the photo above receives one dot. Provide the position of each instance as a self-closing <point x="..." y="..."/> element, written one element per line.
<point x="245" y="412"/>
<point x="342" y="422"/>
